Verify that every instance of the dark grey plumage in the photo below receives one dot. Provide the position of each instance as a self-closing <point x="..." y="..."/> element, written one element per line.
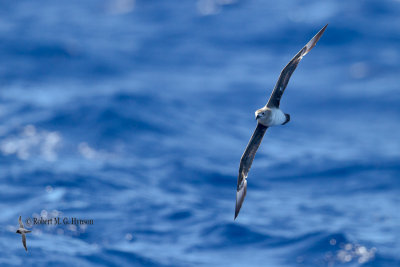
<point x="245" y="164"/>
<point x="272" y="105"/>
<point x="287" y="72"/>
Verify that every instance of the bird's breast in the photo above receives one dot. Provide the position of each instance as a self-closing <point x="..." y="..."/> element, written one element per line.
<point x="275" y="116"/>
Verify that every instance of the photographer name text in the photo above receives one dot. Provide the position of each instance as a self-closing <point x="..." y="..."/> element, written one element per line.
<point x="58" y="220"/>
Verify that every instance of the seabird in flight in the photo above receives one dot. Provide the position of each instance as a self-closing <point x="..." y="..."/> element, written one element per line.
<point x="269" y="115"/>
<point x="21" y="230"/>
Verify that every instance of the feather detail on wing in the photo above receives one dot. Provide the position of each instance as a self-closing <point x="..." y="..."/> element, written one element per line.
<point x="21" y="225"/>
<point x="287" y="72"/>
<point x="245" y="164"/>
<point x="24" y="241"/>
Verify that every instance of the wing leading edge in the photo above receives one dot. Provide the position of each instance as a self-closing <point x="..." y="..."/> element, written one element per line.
<point x="245" y="164"/>
<point x="287" y="71"/>
<point x="273" y="102"/>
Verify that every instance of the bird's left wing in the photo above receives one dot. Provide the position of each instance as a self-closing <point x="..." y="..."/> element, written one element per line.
<point x="21" y="225"/>
<point x="287" y="72"/>
<point x="24" y="241"/>
<point x="245" y="164"/>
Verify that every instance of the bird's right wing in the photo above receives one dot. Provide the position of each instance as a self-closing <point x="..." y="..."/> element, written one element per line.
<point x="245" y="164"/>
<point x="21" y="225"/>
<point x="24" y="241"/>
<point x="287" y="72"/>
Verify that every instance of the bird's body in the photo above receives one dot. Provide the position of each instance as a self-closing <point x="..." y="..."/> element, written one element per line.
<point x="269" y="115"/>
<point x="22" y="231"/>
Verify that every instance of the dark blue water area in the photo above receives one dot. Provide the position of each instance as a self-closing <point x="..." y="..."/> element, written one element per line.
<point x="134" y="114"/>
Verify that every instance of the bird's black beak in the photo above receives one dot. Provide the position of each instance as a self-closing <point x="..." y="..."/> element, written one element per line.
<point x="258" y="116"/>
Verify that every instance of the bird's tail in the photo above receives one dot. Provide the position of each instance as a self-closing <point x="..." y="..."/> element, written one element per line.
<point x="287" y="118"/>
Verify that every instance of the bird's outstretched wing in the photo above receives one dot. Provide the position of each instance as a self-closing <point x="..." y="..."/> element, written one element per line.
<point x="24" y="241"/>
<point x="245" y="164"/>
<point x="21" y="225"/>
<point x="283" y="80"/>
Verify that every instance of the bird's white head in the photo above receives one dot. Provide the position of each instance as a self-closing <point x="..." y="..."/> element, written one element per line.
<point x="262" y="113"/>
<point x="270" y="117"/>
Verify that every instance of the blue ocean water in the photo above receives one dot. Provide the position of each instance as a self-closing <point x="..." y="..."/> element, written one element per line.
<point x="134" y="114"/>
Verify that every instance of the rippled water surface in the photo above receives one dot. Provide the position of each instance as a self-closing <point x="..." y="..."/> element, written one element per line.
<point x="134" y="114"/>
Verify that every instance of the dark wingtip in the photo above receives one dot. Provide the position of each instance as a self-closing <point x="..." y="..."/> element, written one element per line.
<point x="238" y="204"/>
<point x="236" y="212"/>
<point x="240" y="195"/>
<point x="319" y="34"/>
<point x="322" y="31"/>
<point x="314" y="40"/>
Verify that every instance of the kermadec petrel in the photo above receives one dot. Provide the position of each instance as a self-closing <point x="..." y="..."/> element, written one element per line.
<point x="269" y="115"/>
<point x="21" y="230"/>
